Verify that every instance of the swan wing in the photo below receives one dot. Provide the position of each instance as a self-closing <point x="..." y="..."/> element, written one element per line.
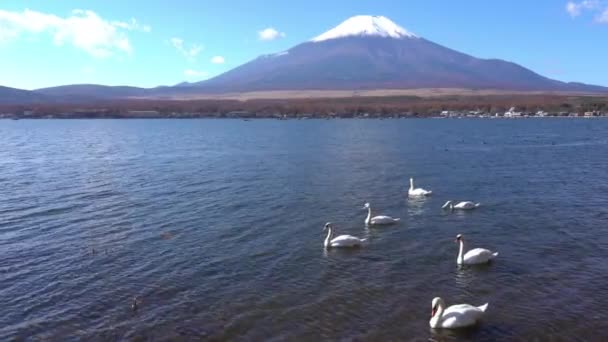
<point x="465" y="205"/>
<point x="383" y="219"/>
<point x="461" y="315"/>
<point x="419" y="192"/>
<point x="346" y="241"/>
<point x="478" y="256"/>
<point x="461" y="309"/>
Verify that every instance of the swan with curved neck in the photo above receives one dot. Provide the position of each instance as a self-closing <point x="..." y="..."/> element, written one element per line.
<point x="342" y="240"/>
<point x="474" y="256"/>
<point x="455" y="316"/>
<point x="463" y="205"/>
<point x="378" y="220"/>
<point x="417" y="191"/>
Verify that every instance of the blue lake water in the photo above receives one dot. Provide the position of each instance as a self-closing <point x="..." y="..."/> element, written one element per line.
<point x="216" y="226"/>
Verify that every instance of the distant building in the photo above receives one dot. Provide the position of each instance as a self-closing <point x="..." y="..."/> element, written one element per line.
<point x="511" y="113"/>
<point x="450" y="113"/>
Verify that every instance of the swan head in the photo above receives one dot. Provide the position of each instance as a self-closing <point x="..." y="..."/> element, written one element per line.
<point x="446" y="205"/>
<point x="435" y="305"/>
<point x="327" y="226"/>
<point x="366" y="206"/>
<point x="459" y="238"/>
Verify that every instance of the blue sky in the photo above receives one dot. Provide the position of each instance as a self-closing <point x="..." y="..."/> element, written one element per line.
<point x="46" y="43"/>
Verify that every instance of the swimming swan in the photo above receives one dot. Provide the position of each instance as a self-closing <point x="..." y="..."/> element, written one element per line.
<point x="378" y="220"/>
<point x="342" y="240"/>
<point x="417" y="192"/>
<point x="464" y="205"/>
<point x="474" y="256"/>
<point x="455" y="316"/>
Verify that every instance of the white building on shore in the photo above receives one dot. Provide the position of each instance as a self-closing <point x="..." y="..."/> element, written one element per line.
<point x="511" y="113"/>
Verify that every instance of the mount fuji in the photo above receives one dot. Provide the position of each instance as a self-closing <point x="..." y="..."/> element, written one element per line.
<point x="362" y="53"/>
<point x="365" y="25"/>
<point x="373" y="52"/>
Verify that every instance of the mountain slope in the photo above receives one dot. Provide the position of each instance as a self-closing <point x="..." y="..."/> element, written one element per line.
<point x="367" y="52"/>
<point x="19" y="96"/>
<point x="93" y="91"/>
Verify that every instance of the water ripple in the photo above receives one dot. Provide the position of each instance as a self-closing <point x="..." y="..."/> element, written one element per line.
<point x="216" y="227"/>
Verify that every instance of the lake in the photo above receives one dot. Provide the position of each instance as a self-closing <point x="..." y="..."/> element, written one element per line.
<point x="216" y="227"/>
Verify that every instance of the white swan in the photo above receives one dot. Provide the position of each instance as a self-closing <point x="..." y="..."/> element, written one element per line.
<point x="455" y="316"/>
<point x="342" y="240"/>
<point x="417" y="192"/>
<point x="474" y="256"/>
<point x="377" y="220"/>
<point x="464" y="205"/>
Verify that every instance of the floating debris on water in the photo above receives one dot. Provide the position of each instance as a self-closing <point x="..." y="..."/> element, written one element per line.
<point x="167" y="235"/>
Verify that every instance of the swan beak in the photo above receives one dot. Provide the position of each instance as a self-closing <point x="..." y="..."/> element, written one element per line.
<point x="433" y="312"/>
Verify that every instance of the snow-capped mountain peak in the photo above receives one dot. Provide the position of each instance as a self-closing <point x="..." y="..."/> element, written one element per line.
<point x="366" y="25"/>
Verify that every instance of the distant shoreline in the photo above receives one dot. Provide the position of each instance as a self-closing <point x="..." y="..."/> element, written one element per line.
<point x="298" y="118"/>
<point x="408" y="106"/>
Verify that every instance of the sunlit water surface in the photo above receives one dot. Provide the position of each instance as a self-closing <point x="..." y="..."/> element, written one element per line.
<point x="216" y="226"/>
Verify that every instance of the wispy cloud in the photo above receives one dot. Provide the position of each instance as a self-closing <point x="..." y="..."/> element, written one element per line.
<point x="132" y="25"/>
<point x="575" y="8"/>
<point x="596" y="7"/>
<point x="83" y="29"/>
<point x="190" y="52"/>
<point x="270" y="34"/>
<point x="602" y="17"/>
<point x="195" y="73"/>
<point x="218" y="60"/>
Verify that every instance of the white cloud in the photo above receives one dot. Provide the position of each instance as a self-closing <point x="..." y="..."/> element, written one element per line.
<point x="83" y="29"/>
<point x="218" y="60"/>
<point x="576" y="8"/>
<point x="603" y="17"/>
<point x="270" y="34"/>
<point x="189" y="52"/>
<point x="600" y="8"/>
<point x="132" y="25"/>
<point x="573" y="9"/>
<point x="195" y="73"/>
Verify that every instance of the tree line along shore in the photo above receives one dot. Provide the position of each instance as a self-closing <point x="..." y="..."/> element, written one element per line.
<point x="396" y="106"/>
